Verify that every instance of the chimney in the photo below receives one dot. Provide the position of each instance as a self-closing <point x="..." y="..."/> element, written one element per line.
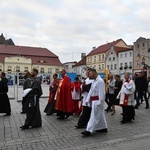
<point x="83" y="55"/>
<point x="94" y="47"/>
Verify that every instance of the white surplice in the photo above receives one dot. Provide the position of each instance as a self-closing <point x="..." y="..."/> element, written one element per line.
<point x="85" y="94"/>
<point x="97" y="119"/>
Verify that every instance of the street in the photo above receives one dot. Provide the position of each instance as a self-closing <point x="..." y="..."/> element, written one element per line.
<point x="62" y="134"/>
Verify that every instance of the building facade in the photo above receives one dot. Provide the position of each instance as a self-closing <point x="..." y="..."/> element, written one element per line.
<point x="21" y="58"/>
<point x="141" y="48"/>
<point x="97" y="57"/>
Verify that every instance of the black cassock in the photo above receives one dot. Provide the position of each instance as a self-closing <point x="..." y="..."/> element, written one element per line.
<point x="4" y="100"/>
<point x="33" y="115"/>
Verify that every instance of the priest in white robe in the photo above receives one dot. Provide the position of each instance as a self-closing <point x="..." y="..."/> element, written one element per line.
<point x="96" y="95"/>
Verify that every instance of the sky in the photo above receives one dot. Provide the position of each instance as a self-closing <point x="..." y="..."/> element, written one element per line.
<point x="71" y="27"/>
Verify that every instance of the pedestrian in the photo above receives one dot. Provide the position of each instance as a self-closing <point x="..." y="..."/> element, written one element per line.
<point x="76" y="94"/>
<point x="141" y="90"/>
<point x="117" y="88"/>
<point x="86" y="109"/>
<point x="126" y="96"/>
<point x="50" y="107"/>
<point x="111" y="93"/>
<point x="96" y="95"/>
<point x="26" y="85"/>
<point x="64" y="103"/>
<point x="148" y="88"/>
<point x="4" y="100"/>
<point x="33" y="115"/>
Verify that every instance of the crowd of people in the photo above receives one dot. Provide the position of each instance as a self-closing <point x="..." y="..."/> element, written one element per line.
<point x="85" y="99"/>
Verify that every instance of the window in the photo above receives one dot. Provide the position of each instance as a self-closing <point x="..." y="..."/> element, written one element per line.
<point x="56" y="70"/>
<point x="94" y="66"/>
<point x="9" y="68"/>
<point x="99" y="67"/>
<point x="138" y="52"/>
<point x="130" y="63"/>
<point x="17" y="69"/>
<point x="90" y="59"/>
<point x="94" y="58"/>
<point x="103" y="57"/>
<point x="103" y="66"/>
<point x="120" y="55"/>
<point x="109" y="59"/>
<point x="137" y="63"/>
<point x="143" y="44"/>
<point x="107" y="66"/>
<point x="25" y="68"/>
<point x="49" y="70"/>
<point x="42" y="70"/>
<point x="115" y="66"/>
<point x="125" y="55"/>
<point x="113" y="58"/>
<point x="99" y="57"/>
<point x="130" y="54"/>
<point x="111" y="53"/>
<point x="111" y="67"/>
<point x="121" y="64"/>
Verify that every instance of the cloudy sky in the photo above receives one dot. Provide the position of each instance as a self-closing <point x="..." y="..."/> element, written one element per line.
<point x="71" y="27"/>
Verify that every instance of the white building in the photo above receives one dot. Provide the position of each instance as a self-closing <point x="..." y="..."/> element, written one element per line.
<point x="112" y="61"/>
<point x="68" y="66"/>
<point x="125" y="61"/>
<point x="80" y="68"/>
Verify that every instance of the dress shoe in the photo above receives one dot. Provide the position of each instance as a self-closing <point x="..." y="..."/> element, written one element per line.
<point x="8" y="114"/>
<point x="122" y="122"/>
<point x="61" y="118"/>
<point x="113" y="112"/>
<point x="102" y="130"/>
<point x="36" y="126"/>
<point x="24" y="127"/>
<point x="23" y="112"/>
<point x="79" y="127"/>
<point x="136" y="107"/>
<point x="147" y="107"/>
<point x="86" y="133"/>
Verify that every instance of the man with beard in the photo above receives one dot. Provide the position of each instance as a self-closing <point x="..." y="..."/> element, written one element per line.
<point x="26" y="85"/>
<point x="96" y="95"/>
<point x="4" y="100"/>
<point x="33" y="115"/>
<point x="64" y="103"/>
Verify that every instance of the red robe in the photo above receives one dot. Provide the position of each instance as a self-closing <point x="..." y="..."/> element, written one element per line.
<point x="64" y="101"/>
<point x="53" y="89"/>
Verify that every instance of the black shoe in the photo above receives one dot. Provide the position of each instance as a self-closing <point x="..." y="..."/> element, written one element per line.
<point x="24" y="127"/>
<point x="86" y="133"/>
<point x="61" y="118"/>
<point x="147" y="107"/>
<point x="67" y="116"/>
<point x="122" y="122"/>
<point x="8" y="114"/>
<point x="79" y="127"/>
<point x="36" y="126"/>
<point x="136" y="107"/>
<point x="102" y="130"/>
<point x="23" y="112"/>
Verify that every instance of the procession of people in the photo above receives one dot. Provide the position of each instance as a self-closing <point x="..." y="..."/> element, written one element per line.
<point x="84" y="98"/>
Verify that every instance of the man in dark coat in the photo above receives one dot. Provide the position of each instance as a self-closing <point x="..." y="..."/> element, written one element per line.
<point x="4" y="100"/>
<point x="33" y="115"/>
<point x="26" y="85"/>
<point x="141" y="87"/>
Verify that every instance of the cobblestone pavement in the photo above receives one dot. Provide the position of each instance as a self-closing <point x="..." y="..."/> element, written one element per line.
<point x="57" y="134"/>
